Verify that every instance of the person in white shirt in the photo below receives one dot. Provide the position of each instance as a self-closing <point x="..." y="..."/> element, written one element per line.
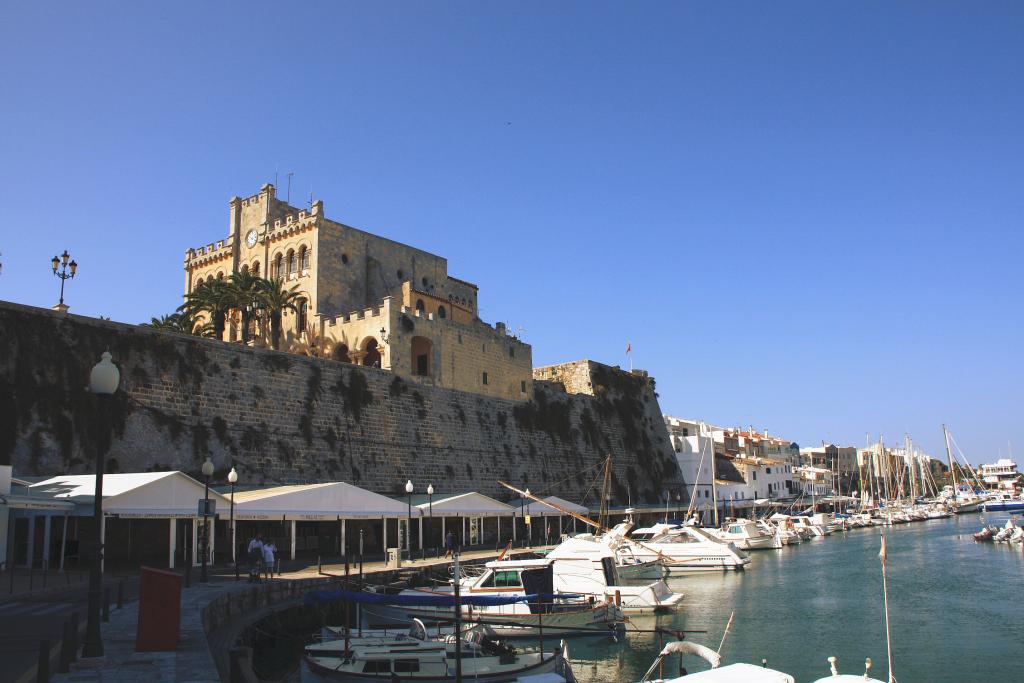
<point x="255" y="553"/>
<point x="268" y="558"/>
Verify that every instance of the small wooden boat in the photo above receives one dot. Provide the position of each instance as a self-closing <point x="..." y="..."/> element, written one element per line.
<point x="415" y="657"/>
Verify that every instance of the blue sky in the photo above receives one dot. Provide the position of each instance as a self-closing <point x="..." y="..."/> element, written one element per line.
<point x="805" y="216"/>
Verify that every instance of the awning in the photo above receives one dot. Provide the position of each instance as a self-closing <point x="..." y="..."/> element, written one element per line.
<point x="138" y="494"/>
<point x="315" y="502"/>
<point x="466" y="505"/>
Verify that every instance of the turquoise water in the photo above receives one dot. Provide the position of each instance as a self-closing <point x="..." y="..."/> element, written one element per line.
<point x="956" y="607"/>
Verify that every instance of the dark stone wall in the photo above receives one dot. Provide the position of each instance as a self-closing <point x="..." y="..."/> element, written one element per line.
<point x="282" y="418"/>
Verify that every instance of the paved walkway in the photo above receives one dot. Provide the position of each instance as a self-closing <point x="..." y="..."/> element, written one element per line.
<point x="192" y="662"/>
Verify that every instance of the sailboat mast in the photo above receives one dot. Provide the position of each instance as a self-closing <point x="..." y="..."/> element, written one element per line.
<point x="714" y="488"/>
<point x="952" y="468"/>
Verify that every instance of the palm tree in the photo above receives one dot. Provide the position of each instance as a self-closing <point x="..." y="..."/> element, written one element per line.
<point x="276" y="300"/>
<point x="215" y="298"/>
<point x="182" y="323"/>
<point x="247" y="288"/>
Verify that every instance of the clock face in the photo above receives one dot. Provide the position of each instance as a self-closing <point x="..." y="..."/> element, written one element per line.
<point x="250" y="238"/>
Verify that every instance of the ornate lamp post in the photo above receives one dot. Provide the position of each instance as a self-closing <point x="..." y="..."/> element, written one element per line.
<point x="233" y="479"/>
<point x="408" y="518"/>
<point x="207" y="473"/>
<point x="67" y="271"/>
<point x="103" y="381"/>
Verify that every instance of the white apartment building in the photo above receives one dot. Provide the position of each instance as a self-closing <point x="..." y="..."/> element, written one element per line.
<point x="1002" y="475"/>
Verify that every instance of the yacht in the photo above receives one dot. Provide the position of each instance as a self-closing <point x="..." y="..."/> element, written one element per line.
<point x="1003" y="502"/>
<point x="787" y="534"/>
<point x="581" y="569"/>
<point x="746" y="535"/>
<point x="687" y="549"/>
<point x="415" y="657"/>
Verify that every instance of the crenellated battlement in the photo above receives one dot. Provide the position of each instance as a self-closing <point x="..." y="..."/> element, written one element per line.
<point x="214" y="251"/>
<point x="383" y="311"/>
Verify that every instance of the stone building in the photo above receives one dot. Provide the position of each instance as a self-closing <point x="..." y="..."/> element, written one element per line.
<point x="370" y="300"/>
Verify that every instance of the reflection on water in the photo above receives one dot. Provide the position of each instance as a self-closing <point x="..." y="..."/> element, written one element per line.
<point x="955" y="609"/>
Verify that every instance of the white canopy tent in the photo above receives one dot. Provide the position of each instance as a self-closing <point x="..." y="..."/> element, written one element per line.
<point x="472" y="507"/>
<point x="335" y="500"/>
<point x="137" y="495"/>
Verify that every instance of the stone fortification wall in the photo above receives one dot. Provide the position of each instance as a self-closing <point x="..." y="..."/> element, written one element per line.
<point x="289" y="419"/>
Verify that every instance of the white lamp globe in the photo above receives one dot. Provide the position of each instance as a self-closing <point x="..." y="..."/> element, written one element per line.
<point x="207" y="468"/>
<point x="232" y="476"/>
<point x="408" y="486"/>
<point x="105" y="376"/>
<point x="430" y="489"/>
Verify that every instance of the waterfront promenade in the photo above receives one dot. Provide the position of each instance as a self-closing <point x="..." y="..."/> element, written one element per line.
<point x="208" y="630"/>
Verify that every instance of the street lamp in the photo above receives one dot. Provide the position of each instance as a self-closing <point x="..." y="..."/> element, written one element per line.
<point x="233" y="479"/>
<point x="526" y="521"/>
<point x="207" y="473"/>
<point x="430" y="506"/>
<point x="67" y="271"/>
<point x="408" y="518"/>
<point x="103" y="381"/>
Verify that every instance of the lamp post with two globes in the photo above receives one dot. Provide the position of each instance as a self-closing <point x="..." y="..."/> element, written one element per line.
<point x="103" y="381"/>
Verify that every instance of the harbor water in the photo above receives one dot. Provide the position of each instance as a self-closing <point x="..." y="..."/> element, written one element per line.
<point x="955" y="609"/>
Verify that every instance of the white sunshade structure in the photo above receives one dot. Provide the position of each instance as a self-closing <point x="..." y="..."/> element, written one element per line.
<point x="331" y="501"/>
<point x="541" y="510"/>
<point x="467" y="505"/>
<point x="153" y="495"/>
<point x="137" y="495"/>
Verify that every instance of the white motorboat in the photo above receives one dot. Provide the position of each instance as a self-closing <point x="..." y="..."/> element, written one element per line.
<point x="747" y="535"/>
<point x="415" y="657"/>
<point x="589" y="568"/>
<point x="1002" y="502"/>
<point x="837" y="677"/>
<point x="786" y="533"/>
<point x="578" y="567"/>
<point x="687" y="549"/>
<point x="732" y="673"/>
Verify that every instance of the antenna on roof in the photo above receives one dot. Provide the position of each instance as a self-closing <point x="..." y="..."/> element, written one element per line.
<point x="288" y="197"/>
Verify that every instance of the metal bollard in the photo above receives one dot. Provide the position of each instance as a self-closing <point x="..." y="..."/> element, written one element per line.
<point x="120" y="594"/>
<point x="66" y="651"/>
<point x="43" y="669"/>
<point x="319" y="565"/>
<point x="106" y="604"/>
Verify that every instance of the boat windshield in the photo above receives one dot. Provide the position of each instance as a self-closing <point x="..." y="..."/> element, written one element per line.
<point x="502" y="578"/>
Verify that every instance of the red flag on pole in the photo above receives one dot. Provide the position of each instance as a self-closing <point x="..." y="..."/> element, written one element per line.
<point x="629" y="348"/>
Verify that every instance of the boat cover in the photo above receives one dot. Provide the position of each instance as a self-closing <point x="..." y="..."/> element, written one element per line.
<point x="428" y="599"/>
<point x="736" y="673"/>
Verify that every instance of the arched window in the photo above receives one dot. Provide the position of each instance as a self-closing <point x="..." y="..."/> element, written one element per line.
<point x="245" y="268"/>
<point x="293" y="263"/>
<point x="220" y="275"/>
<point x="304" y="259"/>
<point x="441" y="313"/>
<point x="255" y="270"/>
<point x="300" y="317"/>
<point x="422" y="350"/>
<point x="419" y="305"/>
<point x="275" y="270"/>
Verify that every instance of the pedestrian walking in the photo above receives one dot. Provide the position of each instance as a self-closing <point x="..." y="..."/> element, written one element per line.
<point x="255" y="555"/>
<point x="268" y="558"/>
<point x="449" y="544"/>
